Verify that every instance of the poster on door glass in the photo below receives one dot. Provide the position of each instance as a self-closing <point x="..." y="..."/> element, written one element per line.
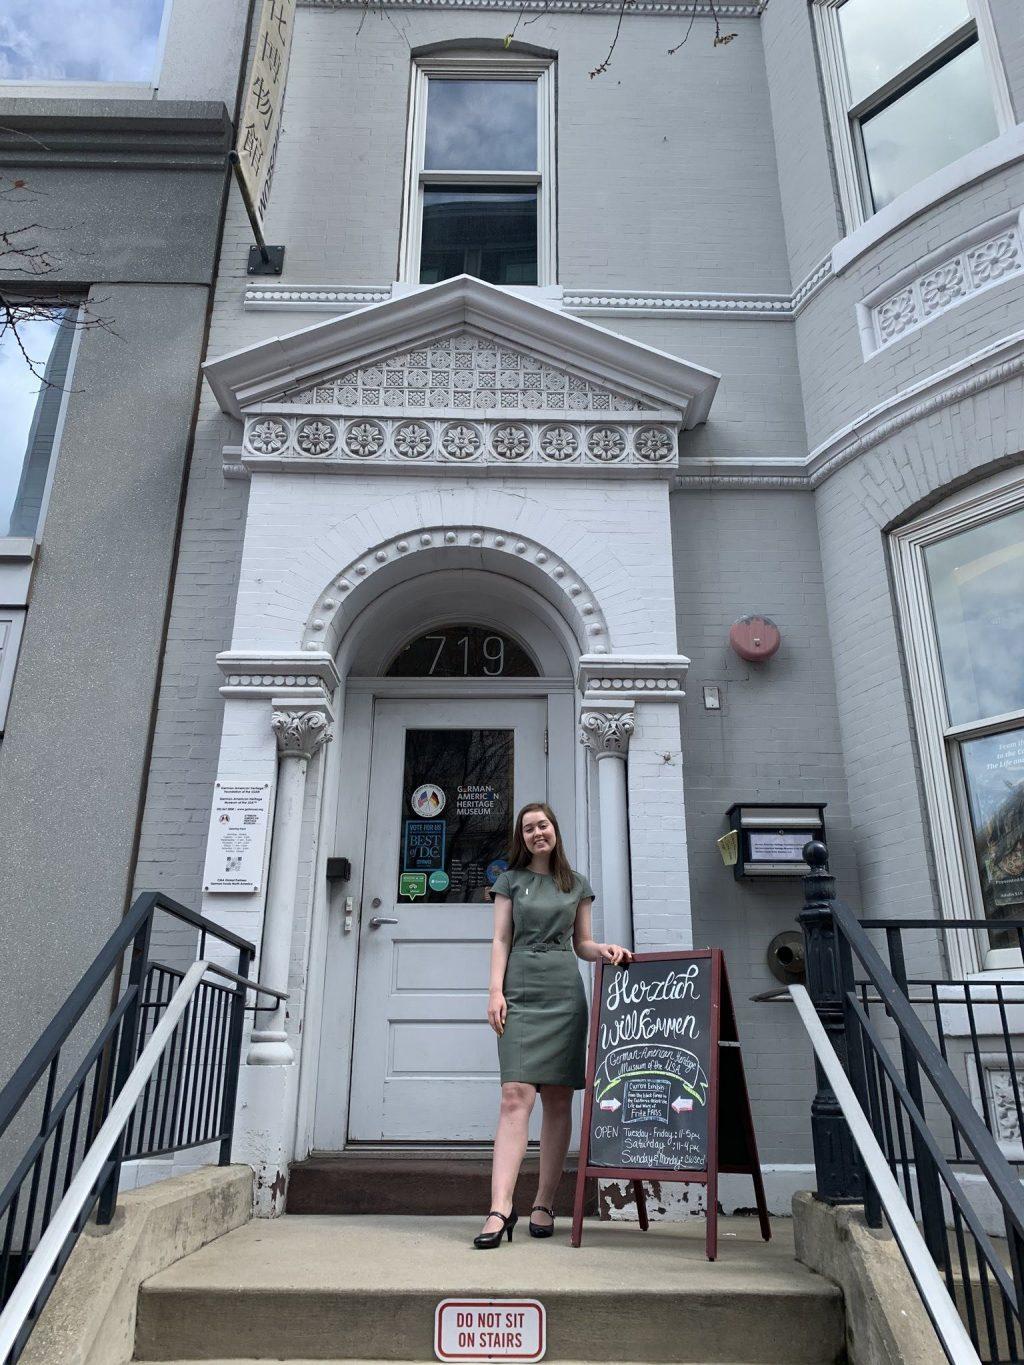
<point x="456" y="819"/>
<point x="994" y="768"/>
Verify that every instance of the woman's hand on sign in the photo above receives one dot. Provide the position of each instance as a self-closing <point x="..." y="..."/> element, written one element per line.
<point x="496" y="1011"/>
<point x="613" y="953"/>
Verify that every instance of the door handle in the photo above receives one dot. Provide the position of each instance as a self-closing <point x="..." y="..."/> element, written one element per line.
<point x="377" y="920"/>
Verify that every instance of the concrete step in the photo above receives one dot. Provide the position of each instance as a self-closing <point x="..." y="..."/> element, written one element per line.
<point x="442" y="1184"/>
<point x="365" y="1288"/>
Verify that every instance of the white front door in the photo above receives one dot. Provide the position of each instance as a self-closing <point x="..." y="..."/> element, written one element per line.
<point x="446" y="778"/>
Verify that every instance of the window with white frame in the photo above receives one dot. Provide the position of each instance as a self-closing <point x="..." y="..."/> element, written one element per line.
<point x="480" y="192"/>
<point x="961" y="580"/>
<point x="911" y="85"/>
<point x="11" y="622"/>
<point x="35" y="357"/>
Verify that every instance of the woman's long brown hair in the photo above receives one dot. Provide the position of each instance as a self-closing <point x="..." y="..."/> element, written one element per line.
<point x="521" y="856"/>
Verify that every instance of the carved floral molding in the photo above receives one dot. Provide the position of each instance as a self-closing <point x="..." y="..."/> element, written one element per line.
<point x="464" y="399"/>
<point x="462" y="372"/>
<point x="285" y="441"/>
<point x="976" y="262"/>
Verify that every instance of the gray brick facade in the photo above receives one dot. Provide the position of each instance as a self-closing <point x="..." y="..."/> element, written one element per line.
<point x="703" y="187"/>
<point x="124" y="191"/>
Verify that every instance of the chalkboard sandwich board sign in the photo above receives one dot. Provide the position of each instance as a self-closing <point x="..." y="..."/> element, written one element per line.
<point x="666" y="1097"/>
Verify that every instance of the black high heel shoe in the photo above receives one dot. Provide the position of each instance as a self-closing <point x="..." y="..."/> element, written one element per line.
<point x="483" y="1241"/>
<point x="538" y="1229"/>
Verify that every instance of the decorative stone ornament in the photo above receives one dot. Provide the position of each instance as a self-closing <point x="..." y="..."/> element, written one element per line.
<point x="468" y="371"/>
<point x="459" y="373"/>
<point x="288" y="442"/>
<point x="607" y="733"/>
<point x="316" y="437"/>
<point x="632" y="677"/>
<point x="305" y="677"/>
<point x="321" y="633"/>
<point x="300" y="733"/>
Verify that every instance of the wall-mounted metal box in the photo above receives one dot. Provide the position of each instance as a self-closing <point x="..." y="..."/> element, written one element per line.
<point x="772" y="838"/>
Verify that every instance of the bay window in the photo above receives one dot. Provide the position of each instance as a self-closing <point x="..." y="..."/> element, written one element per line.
<point x="961" y="578"/>
<point x="912" y="85"/>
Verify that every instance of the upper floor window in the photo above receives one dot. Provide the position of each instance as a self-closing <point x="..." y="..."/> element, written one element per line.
<point x="480" y="199"/>
<point x="910" y="89"/>
<point x="110" y="41"/>
<point x="35" y="355"/>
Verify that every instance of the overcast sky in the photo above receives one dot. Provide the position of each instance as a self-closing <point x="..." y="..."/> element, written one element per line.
<point x="79" y="40"/>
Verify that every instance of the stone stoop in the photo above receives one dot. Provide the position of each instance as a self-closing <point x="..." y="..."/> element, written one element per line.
<point x="364" y="1289"/>
<point x="413" y="1183"/>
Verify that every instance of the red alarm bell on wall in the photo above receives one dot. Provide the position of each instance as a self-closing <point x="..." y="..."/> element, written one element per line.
<point x="754" y="638"/>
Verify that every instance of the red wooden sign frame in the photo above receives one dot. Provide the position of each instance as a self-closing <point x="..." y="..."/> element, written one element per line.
<point x="730" y="1124"/>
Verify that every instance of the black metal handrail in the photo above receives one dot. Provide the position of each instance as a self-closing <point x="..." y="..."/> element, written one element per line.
<point x="906" y="1086"/>
<point x="188" y="1101"/>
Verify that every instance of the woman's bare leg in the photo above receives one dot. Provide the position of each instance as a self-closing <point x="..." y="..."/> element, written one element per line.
<point x="517" y="1100"/>
<point x="555" y="1132"/>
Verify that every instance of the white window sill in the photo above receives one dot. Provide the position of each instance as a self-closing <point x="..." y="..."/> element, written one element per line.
<point x="985" y="1016"/>
<point x="17" y="554"/>
<point x="927" y="193"/>
<point x="16" y="548"/>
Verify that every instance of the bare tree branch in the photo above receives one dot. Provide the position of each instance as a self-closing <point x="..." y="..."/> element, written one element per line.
<point x="509" y="37"/>
<point x="22" y="257"/>
<point x="600" y="69"/>
<point x="382" y="9"/>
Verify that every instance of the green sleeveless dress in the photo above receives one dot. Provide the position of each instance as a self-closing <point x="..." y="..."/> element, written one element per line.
<point x="545" y="1038"/>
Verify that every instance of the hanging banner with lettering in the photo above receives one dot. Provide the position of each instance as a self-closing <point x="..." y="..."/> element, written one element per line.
<point x="260" y="125"/>
<point x="666" y="1097"/>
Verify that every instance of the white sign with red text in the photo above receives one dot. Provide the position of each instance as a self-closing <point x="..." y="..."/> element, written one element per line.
<point x="490" y="1329"/>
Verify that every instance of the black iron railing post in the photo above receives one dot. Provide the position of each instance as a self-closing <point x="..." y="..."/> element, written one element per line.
<point x="929" y="1184"/>
<point x="233" y="1061"/>
<point x="829" y="972"/>
<point x="127" y="1054"/>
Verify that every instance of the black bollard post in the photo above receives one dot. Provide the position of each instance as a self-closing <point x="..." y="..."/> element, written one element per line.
<point x="836" y="1165"/>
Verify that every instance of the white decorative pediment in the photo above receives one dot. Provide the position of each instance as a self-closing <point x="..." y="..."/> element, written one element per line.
<point x="467" y="371"/>
<point x="459" y="373"/>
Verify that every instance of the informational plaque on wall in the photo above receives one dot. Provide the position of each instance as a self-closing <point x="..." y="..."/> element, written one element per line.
<point x="237" y="843"/>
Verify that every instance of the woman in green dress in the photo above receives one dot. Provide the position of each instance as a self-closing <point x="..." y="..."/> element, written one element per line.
<point x="538" y="1009"/>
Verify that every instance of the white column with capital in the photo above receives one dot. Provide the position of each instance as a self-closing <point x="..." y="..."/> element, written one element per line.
<point x="605" y="729"/>
<point x="300" y="731"/>
<point x="630" y="721"/>
<point x="269" y="1080"/>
